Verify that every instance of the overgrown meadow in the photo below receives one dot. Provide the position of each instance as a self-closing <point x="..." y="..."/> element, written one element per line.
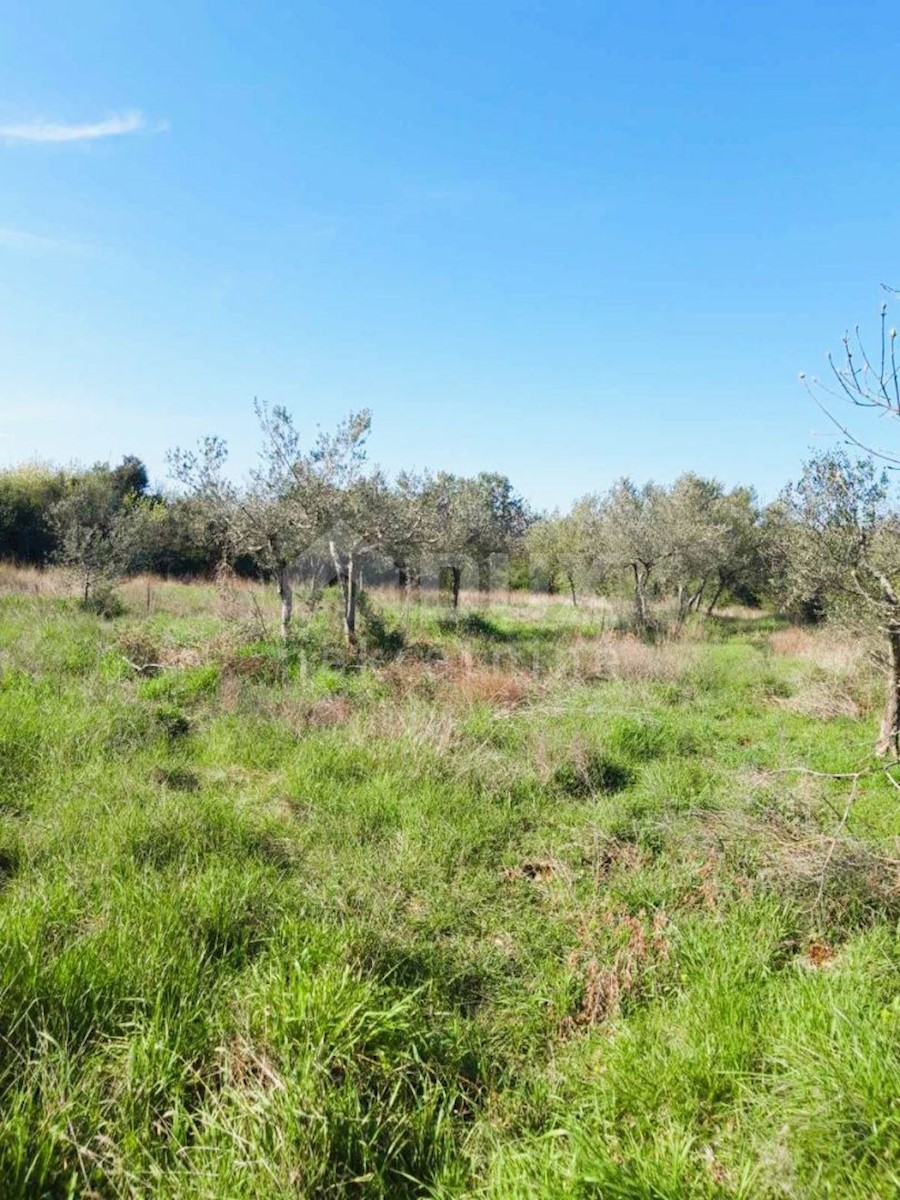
<point x="506" y="903"/>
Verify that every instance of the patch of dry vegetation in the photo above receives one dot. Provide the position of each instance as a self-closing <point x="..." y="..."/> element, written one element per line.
<point x="634" y="947"/>
<point x="461" y="680"/>
<point x="848" y="668"/>
<point x="829" y="648"/>
<point x="624" y="656"/>
<point x="826" y="701"/>
<point x="32" y="581"/>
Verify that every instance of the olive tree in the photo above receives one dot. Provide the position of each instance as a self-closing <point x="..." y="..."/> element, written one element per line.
<point x="715" y="543"/>
<point x="97" y="532"/>
<point x="698" y="538"/>
<point x="210" y="505"/>
<point x="288" y="501"/>
<point x="566" y="549"/>
<point x="470" y="521"/>
<point x="501" y="521"/>
<point x="361" y="524"/>
<point x="840" y="538"/>
<point x="290" y="498"/>
<point x="742" y="569"/>
<point x="357" y="510"/>
<point x="637" y="536"/>
<point x="411" y="531"/>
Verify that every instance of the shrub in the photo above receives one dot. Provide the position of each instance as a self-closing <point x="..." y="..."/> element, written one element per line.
<point x="104" y="601"/>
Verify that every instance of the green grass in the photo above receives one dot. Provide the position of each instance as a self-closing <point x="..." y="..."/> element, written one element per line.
<point x="276" y="923"/>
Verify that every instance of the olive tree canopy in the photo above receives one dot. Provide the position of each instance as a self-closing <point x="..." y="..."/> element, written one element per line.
<point x="839" y="538"/>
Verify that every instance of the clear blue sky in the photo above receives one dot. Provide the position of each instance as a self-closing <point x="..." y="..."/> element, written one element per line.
<point x="564" y="240"/>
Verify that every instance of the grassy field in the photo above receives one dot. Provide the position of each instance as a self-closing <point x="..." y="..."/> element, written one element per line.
<point x="508" y="905"/>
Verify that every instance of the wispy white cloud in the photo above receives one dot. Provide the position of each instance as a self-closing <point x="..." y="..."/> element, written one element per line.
<point x="53" y="131"/>
<point x="20" y="239"/>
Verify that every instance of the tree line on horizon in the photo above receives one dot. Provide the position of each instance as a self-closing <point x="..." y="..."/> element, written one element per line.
<point x="693" y="542"/>
<point x="828" y="546"/>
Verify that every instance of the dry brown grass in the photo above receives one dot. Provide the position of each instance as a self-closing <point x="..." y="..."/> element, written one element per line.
<point x="238" y="693"/>
<point x="624" y="656"/>
<point x="535" y="870"/>
<point x="741" y="612"/>
<point x="806" y="858"/>
<point x="243" y="1064"/>
<point x="832" y="650"/>
<point x="853" y="684"/>
<point x="319" y="714"/>
<point x="617" y="855"/>
<point x="145" y="594"/>
<point x="641" y="944"/>
<point x="510" y="601"/>
<point x="819" y="954"/>
<point x="462" y="680"/>
<point x="33" y="581"/>
<point x="833" y="875"/>
<point x="232" y="599"/>
<point x="420" y="726"/>
<point x="148" y="653"/>
<point x="825" y="700"/>
<point x="485" y="684"/>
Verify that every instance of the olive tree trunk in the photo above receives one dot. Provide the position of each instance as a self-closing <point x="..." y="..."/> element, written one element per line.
<point x="455" y="584"/>
<point x="697" y="599"/>
<point x="571" y="579"/>
<point x="640" y="596"/>
<point x="889" y="737"/>
<point x="720" y="588"/>
<point x="348" y="592"/>
<point x="286" y="595"/>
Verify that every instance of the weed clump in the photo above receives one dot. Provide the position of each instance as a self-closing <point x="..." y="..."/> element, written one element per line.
<point x="380" y="638"/>
<point x="188" y="686"/>
<point x="142" y="651"/>
<point x="173" y="721"/>
<point x="634" y="949"/>
<point x="590" y="773"/>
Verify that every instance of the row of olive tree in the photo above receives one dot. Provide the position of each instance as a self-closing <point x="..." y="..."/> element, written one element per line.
<point x="326" y="496"/>
<point x="693" y="540"/>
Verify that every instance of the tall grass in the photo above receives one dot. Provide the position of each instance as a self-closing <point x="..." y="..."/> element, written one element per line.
<point x="506" y="905"/>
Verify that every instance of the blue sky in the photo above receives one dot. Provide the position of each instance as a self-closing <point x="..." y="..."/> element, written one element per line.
<point x="566" y="240"/>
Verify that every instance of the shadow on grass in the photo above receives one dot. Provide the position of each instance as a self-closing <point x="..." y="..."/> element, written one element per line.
<point x="477" y="625"/>
<point x="721" y="628"/>
<point x="464" y="985"/>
